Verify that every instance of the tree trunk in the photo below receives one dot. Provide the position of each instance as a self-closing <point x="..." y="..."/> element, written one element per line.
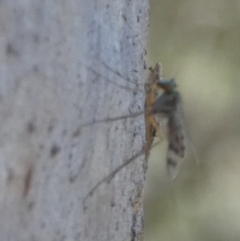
<point x="64" y="66"/>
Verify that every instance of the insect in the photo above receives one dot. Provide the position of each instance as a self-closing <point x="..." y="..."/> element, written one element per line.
<point x="162" y="102"/>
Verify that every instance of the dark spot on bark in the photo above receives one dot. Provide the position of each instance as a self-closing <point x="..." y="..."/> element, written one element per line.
<point x="133" y="231"/>
<point x="72" y="178"/>
<point x="113" y="204"/>
<point x="55" y="149"/>
<point x="31" y="128"/>
<point x="35" y="38"/>
<point x="117" y="226"/>
<point x="27" y="181"/>
<point x="138" y="19"/>
<point x="76" y="133"/>
<point x="35" y="68"/>
<point x="10" y="175"/>
<point x="85" y="208"/>
<point x="124" y="18"/>
<point x="50" y="128"/>
<point x="31" y="205"/>
<point x="144" y="65"/>
<point x="10" y="50"/>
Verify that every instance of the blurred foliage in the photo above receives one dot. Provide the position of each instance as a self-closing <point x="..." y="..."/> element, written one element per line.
<point x="198" y="43"/>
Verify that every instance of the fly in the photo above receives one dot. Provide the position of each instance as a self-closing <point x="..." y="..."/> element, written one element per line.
<point x="162" y="101"/>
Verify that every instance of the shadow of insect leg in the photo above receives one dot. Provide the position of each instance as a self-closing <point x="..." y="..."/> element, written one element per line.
<point x="111" y="119"/>
<point x="109" y="177"/>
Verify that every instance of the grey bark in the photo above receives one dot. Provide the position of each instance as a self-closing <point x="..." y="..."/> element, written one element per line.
<point x="63" y="65"/>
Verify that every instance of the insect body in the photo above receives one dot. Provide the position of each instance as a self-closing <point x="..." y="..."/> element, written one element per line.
<point x="163" y="101"/>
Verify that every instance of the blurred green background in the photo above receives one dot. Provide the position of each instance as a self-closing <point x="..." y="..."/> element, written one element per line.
<point x="198" y="43"/>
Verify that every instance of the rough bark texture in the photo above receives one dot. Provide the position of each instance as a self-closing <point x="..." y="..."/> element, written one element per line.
<point x="64" y="64"/>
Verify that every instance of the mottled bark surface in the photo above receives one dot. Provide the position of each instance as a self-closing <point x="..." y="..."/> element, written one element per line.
<point x="65" y="64"/>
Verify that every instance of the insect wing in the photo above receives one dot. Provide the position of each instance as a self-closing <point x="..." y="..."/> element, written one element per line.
<point x="176" y="137"/>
